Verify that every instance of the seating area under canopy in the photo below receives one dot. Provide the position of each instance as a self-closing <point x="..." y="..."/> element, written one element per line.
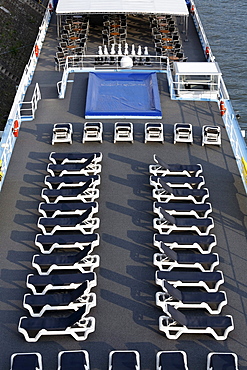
<point x="77" y="7"/>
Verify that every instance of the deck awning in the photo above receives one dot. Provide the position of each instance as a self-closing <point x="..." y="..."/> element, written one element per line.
<point x="173" y="7"/>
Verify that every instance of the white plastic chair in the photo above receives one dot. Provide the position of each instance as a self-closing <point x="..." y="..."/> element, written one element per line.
<point x="62" y="133"/>
<point x="93" y="131"/>
<point x="183" y="133"/>
<point x="123" y="132"/>
<point x="154" y="132"/>
<point x="211" y="135"/>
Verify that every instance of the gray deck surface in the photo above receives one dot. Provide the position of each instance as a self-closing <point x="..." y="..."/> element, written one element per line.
<point x="126" y="315"/>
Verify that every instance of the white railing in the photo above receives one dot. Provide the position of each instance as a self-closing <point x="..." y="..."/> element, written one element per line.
<point x="236" y="139"/>
<point x="90" y="63"/>
<point x="28" y="109"/>
<point x="8" y="139"/>
<point x="202" y="35"/>
<point x="233" y="130"/>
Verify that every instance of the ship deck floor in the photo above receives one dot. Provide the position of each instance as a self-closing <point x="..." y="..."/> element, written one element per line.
<point x="126" y="315"/>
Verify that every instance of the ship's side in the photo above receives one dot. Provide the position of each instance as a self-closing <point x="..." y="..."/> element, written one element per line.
<point x="126" y="314"/>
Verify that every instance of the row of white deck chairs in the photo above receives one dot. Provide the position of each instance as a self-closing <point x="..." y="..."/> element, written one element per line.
<point x="61" y="297"/>
<point x="122" y="360"/>
<point x="186" y="266"/>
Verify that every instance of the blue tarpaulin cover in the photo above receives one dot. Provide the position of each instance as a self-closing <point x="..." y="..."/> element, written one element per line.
<point x="123" y="94"/>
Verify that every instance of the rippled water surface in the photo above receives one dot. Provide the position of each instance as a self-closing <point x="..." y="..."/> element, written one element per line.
<point x="225" y="24"/>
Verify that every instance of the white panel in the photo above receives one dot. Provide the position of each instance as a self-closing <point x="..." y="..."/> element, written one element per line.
<point x="176" y="7"/>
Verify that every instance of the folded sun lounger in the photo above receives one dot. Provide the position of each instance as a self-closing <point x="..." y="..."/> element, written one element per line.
<point x="61" y="208"/>
<point x="26" y="361"/>
<point x="85" y="168"/>
<point x="85" y="223"/>
<point x="162" y="168"/>
<point x="73" y="360"/>
<point x="204" y="244"/>
<point x="82" y="260"/>
<point x="168" y="193"/>
<point x="62" y="158"/>
<point x="222" y="361"/>
<point x="169" y="223"/>
<point x="84" y="193"/>
<point x="208" y="280"/>
<point x="124" y="360"/>
<point x="177" y="181"/>
<point x="183" y="208"/>
<point x="182" y="297"/>
<point x="175" y="323"/>
<point x="171" y="360"/>
<point x="58" y="182"/>
<point x="171" y="259"/>
<point x="76" y="325"/>
<point x="47" y="243"/>
<point x="72" y="299"/>
<point x="44" y="283"/>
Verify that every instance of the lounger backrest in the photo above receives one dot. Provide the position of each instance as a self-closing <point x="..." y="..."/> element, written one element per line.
<point x="76" y="293"/>
<point x="76" y="316"/>
<point x="161" y="162"/>
<point x="83" y="253"/>
<point x="74" y="360"/>
<point x="165" y="186"/>
<point x="222" y="361"/>
<point x="25" y="361"/>
<point x="169" y="252"/>
<point x="122" y="360"/>
<point x="86" y="185"/>
<point x="177" y="315"/>
<point x="174" y="292"/>
<point x="172" y="360"/>
<point x="88" y="161"/>
<point x="167" y="216"/>
<point x="85" y="215"/>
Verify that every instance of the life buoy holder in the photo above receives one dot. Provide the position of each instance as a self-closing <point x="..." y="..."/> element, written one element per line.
<point x="36" y="50"/>
<point x="15" y="129"/>
<point x="50" y="8"/>
<point x="192" y="10"/>
<point x="207" y="51"/>
<point x="222" y="108"/>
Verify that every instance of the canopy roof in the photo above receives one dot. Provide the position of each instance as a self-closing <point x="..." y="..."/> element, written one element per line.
<point x="174" y="7"/>
<point x="197" y="68"/>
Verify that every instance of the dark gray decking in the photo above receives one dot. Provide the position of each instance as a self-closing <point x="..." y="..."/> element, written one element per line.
<point x="126" y="315"/>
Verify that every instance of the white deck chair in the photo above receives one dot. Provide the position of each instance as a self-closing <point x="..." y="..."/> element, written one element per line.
<point x="92" y="131"/>
<point x="171" y="259"/>
<point x="211" y="135"/>
<point x="209" y="280"/>
<point x="175" y="323"/>
<point x="73" y="299"/>
<point x="27" y="361"/>
<point x="154" y="132"/>
<point x="183" y="133"/>
<point x="203" y="244"/>
<point x="121" y="360"/>
<point x="62" y="133"/>
<point x="222" y="360"/>
<point x="76" y="325"/>
<point x="63" y="158"/>
<point x="69" y="360"/>
<point x="123" y="131"/>
<point x="169" y="224"/>
<point x="162" y="168"/>
<point x="166" y="360"/>
<point x="213" y="302"/>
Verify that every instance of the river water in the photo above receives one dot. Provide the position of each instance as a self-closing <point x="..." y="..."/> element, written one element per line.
<point x="224" y="23"/>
